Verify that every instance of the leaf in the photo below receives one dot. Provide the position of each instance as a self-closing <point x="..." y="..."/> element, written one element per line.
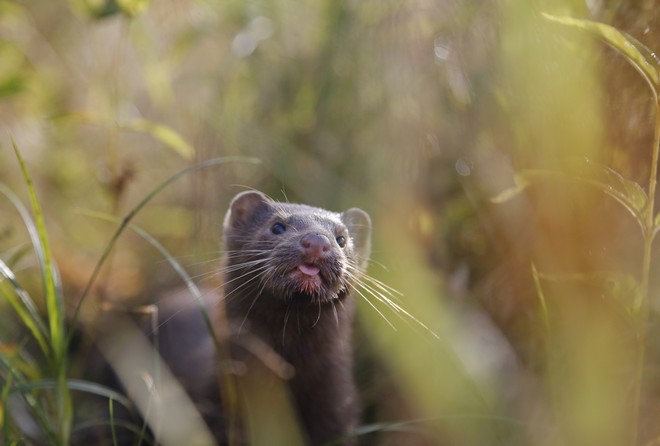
<point x="626" y="192"/>
<point x="133" y="7"/>
<point x="633" y="192"/>
<point x="541" y="294"/>
<point x="54" y="307"/>
<point x="36" y="408"/>
<point x="50" y="276"/>
<point x="78" y="385"/>
<point x="160" y="132"/>
<point x="656" y="225"/>
<point x="164" y="134"/>
<point x="508" y="194"/>
<point x="4" y="421"/>
<point x="635" y="52"/>
<point x="24" y="307"/>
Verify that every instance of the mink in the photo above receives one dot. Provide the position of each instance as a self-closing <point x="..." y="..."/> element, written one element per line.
<point x="289" y="271"/>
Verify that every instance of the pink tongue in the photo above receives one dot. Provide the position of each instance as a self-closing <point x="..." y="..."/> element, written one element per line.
<point x="308" y="269"/>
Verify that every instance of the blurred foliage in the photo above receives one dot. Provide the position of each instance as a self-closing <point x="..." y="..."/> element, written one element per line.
<point x="419" y="112"/>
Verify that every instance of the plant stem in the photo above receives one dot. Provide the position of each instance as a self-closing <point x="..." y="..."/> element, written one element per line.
<point x="649" y="230"/>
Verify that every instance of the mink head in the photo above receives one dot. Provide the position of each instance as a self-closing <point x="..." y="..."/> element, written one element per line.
<point x="293" y="251"/>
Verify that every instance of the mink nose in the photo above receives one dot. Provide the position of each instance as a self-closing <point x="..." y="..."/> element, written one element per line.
<point x="315" y="245"/>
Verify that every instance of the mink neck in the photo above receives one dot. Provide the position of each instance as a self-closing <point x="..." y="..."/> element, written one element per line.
<point x="292" y="327"/>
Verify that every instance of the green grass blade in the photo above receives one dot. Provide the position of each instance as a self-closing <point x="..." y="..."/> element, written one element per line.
<point x="180" y="270"/>
<point x="16" y="254"/>
<point x="54" y="308"/>
<point x="24" y="307"/>
<point x="38" y="409"/>
<point x="4" y="411"/>
<point x="112" y="422"/>
<point x="137" y="430"/>
<point x="541" y="296"/>
<point x="50" y="276"/>
<point x="77" y="385"/>
<point x="164" y="134"/>
<point x="141" y="204"/>
<point x="34" y="236"/>
<point x="636" y="53"/>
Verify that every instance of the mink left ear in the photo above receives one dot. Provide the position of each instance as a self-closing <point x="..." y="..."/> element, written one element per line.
<point x="358" y="224"/>
<point x="243" y="206"/>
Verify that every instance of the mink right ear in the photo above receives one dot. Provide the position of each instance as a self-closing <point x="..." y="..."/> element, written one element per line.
<point x="243" y="206"/>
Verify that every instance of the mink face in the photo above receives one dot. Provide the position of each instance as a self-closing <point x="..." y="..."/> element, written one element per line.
<point x="294" y="253"/>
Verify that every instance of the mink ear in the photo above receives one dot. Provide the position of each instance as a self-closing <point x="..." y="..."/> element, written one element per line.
<point x="243" y="206"/>
<point x="358" y="224"/>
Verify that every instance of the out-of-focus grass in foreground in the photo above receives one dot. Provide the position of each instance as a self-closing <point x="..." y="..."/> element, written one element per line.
<point x="506" y="151"/>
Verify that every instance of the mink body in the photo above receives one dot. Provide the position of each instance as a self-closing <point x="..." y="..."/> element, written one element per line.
<point x="289" y="273"/>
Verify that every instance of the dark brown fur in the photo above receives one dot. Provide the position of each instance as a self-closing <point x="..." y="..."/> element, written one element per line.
<point x="305" y="319"/>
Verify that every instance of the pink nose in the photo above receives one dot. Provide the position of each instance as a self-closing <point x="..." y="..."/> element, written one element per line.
<point x="315" y="245"/>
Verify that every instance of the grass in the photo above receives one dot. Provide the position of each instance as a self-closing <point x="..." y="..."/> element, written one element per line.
<point x="45" y="387"/>
<point x="346" y="104"/>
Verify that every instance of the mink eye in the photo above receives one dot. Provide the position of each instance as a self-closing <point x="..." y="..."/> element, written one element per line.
<point x="341" y="241"/>
<point x="278" y="228"/>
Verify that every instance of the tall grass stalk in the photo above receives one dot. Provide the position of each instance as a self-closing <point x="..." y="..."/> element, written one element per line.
<point x="56" y="353"/>
<point x="649" y="233"/>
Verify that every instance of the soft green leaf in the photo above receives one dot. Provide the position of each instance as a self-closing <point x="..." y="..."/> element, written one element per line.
<point x="160" y="132"/>
<point x="96" y="9"/>
<point x="133" y="7"/>
<point x="38" y="410"/>
<point x="626" y="192"/>
<point x="656" y="224"/>
<point x="12" y="86"/>
<point x="24" y="307"/>
<point x="164" y="134"/>
<point x="78" y="385"/>
<point x="637" y="54"/>
<point x="50" y="276"/>
<point x="54" y="307"/>
<point x="4" y="419"/>
<point x="508" y="194"/>
<point x="541" y="295"/>
<point x="632" y="191"/>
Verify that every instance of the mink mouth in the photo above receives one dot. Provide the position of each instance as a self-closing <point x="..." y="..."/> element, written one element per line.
<point x="309" y="281"/>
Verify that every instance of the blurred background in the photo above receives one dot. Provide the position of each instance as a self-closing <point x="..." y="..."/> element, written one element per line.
<point x="420" y="112"/>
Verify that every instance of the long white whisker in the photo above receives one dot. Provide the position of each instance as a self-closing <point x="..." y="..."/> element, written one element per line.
<point x="334" y="311"/>
<point x="396" y="308"/>
<point x="382" y="286"/>
<point x="376" y="309"/>
<point x="286" y="321"/>
<point x="254" y="301"/>
<point x="260" y="270"/>
<point x="247" y="282"/>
